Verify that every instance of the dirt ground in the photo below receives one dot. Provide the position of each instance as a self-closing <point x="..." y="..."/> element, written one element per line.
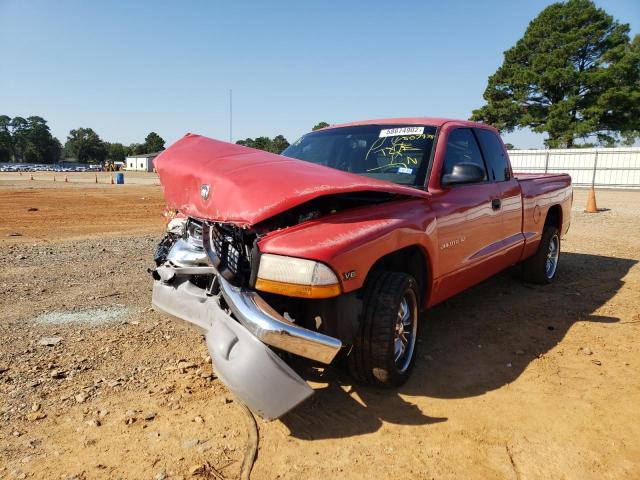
<point x="47" y="178"/>
<point x="54" y="212"/>
<point x="512" y="381"/>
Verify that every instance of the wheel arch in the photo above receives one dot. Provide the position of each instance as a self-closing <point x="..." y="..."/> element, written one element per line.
<point x="412" y="260"/>
<point x="554" y="217"/>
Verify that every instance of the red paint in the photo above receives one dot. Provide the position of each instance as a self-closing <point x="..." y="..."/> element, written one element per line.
<point x="462" y="238"/>
<point x="247" y="185"/>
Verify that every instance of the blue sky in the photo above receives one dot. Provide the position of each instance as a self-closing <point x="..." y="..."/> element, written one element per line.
<point x="125" y="68"/>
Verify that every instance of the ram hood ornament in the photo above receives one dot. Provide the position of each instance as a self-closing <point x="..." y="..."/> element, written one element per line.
<point x="204" y="191"/>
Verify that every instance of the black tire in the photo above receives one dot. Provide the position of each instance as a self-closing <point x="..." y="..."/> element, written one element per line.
<point x="372" y="359"/>
<point x="534" y="269"/>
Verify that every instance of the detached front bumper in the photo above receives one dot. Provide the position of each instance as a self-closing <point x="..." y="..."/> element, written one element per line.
<point x="238" y="337"/>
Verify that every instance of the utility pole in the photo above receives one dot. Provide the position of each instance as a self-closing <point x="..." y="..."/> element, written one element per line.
<point x="230" y="116"/>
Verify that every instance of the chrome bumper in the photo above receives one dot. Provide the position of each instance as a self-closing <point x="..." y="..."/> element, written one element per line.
<point x="247" y="306"/>
<point x="273" y="329"/>
<point x="184" y="300"/>
<point x="237" y="336"/>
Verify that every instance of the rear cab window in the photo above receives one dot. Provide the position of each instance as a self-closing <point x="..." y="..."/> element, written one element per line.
<point x="494" y="155"/>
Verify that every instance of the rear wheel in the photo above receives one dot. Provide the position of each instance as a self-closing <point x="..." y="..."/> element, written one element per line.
<point x="542" y="267"/>
<point x="384" y="349"/>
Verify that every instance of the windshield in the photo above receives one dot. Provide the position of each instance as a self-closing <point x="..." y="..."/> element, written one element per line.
<point x="396" y="153"/>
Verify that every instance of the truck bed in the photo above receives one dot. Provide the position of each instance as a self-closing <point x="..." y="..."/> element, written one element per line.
<point x="524" y="176"/>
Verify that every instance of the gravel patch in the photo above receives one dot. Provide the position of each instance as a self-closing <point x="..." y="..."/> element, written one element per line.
<point x="91" y="316"/>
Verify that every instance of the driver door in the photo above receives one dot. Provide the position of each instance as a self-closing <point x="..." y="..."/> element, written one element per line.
<point x="469" y="221"/>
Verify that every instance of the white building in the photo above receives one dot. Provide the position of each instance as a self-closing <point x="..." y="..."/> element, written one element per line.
<point x="141" y="163"/>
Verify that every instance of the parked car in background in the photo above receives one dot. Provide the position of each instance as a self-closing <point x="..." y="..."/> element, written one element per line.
<point x="49" y="167"/>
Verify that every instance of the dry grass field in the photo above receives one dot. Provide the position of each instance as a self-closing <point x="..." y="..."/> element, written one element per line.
<point x="512" y="381"/>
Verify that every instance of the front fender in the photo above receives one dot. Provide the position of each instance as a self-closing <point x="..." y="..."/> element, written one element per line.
<point x="351" y="242"/>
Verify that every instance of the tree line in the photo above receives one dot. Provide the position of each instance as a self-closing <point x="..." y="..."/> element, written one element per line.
<point x="274" y="145"/>
<point x="30" y="140"/>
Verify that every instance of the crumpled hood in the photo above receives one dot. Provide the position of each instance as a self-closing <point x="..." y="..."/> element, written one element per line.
<point x="247" y="185"/>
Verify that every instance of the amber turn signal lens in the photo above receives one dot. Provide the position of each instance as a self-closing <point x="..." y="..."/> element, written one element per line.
<point x="295" y="290"/>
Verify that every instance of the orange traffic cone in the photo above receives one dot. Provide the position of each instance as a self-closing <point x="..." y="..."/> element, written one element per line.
<point x="66" y="179"/>
<point x="591" y="202"/>
<point x="31" y="178"/>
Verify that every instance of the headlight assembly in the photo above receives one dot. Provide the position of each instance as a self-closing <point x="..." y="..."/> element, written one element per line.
<point x="296" y="277"/>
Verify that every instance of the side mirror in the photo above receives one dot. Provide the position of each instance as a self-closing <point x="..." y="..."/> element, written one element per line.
<point x="465" y="172"/>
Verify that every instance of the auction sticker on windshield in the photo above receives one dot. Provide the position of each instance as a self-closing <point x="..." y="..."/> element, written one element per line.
<point x="392" y="132"/>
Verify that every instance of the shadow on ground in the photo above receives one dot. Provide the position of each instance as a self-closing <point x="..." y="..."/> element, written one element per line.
<point x="475" y="342"/>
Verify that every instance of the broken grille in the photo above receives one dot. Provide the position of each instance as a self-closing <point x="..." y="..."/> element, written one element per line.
<point x="228" y="252"/>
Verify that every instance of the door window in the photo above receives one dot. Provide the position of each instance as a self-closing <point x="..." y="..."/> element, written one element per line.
<point x="462" y="147"/>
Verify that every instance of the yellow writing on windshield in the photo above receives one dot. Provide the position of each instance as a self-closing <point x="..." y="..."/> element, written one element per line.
<point x="400" y="151"/>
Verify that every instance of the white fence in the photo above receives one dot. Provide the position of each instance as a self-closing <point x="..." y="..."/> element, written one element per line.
<point x="601" y="167"/>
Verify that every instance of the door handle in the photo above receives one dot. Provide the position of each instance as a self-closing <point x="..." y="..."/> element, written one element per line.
<point x="495" y="203"/>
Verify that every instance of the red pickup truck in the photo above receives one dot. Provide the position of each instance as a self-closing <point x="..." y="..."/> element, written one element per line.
<point x="337" y="246"/>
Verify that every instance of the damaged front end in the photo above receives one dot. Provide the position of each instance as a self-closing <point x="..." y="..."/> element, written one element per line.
<point x="204" y="275"/>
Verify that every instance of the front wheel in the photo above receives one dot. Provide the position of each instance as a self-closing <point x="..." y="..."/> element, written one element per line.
<point x="542" y="267"/>
<point x="384" y="348"/>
